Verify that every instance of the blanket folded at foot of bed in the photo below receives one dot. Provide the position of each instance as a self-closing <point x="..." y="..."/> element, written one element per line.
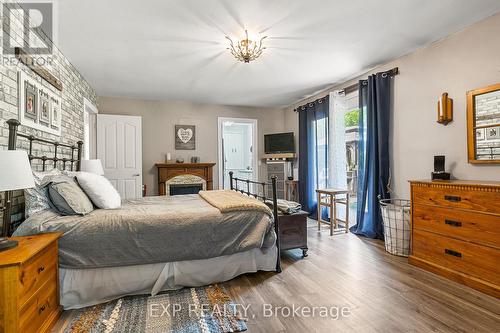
<point x="231" y="201"/>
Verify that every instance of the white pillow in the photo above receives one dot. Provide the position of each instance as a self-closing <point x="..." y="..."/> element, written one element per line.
<point x="99" y="190"/>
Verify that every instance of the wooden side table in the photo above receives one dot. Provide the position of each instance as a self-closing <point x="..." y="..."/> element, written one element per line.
<point x="29" y="284"/>
<point x="329" y="198"/>
<point x="293" y="231"/>
<point x="292" y="190"/>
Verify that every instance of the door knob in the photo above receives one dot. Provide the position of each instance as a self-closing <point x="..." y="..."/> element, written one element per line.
<point x="136" y="175"/>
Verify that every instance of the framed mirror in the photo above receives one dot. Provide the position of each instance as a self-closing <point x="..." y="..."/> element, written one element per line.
<point x="483" y="125"/>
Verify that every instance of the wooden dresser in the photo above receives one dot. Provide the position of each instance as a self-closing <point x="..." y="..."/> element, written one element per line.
<point x="29" y="292"/>
<point x="456" y="231"/>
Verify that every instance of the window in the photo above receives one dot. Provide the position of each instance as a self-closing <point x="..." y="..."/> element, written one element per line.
<point x="352" y="147"/>
<point x="321" y="135"/>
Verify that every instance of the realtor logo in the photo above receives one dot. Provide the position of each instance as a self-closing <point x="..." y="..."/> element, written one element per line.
<point x="29" y="26"/>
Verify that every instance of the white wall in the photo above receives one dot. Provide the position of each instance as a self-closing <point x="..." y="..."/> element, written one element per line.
<point x="461" y="62"/>
<point x="159" y="118"/>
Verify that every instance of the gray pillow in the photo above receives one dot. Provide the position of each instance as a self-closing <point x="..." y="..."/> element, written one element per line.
<point x="68" y="198"/>
<point x="37" y="199"/>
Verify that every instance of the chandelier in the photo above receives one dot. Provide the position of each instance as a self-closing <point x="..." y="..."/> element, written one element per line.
<point x="246" y="50"/>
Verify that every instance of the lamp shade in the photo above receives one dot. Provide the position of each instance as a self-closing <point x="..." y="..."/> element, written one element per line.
<point x="15" y="170"/>
<point x="92" y="166"/>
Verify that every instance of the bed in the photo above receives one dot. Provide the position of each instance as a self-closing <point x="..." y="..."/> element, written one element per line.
<point x="155" y="243"/>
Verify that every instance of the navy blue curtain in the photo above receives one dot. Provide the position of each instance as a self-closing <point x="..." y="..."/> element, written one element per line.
<point x="313" y="152"/>
<point x="373" y="170"/>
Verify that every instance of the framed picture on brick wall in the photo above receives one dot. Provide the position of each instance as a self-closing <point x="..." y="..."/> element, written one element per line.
<point x="55" y="113"/>
<point x="39" y="105"/>
<point x="44" y="107"/>
<point x="30" y="101"/>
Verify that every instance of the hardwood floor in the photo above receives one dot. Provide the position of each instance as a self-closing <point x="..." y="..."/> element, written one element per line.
<point x="383" y="293"/>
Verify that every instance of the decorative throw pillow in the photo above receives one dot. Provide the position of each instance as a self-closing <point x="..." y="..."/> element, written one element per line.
<point x="100" y="191"/>
<point x="36" y="199"/>
<point x="68" y="198"/>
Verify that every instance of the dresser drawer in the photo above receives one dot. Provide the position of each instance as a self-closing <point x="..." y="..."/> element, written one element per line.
<point x="42" y="306"/>
<point x="469" y="226"/>
<point x="474" y="260"/>
<point x="457" y="197"/>
<point x="35" y="272"/>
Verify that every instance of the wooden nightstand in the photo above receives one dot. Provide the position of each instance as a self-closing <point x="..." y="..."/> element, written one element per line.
<point x="29" y="284"/>
<point x="293" y="231"/>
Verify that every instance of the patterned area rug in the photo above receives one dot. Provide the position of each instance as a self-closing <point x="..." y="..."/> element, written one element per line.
<point x="205" y="310"/>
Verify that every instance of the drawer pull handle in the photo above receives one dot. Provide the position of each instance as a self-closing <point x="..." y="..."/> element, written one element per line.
<point x="42" y="308"/>
<point x="41" y="269"/>
<point x="453" y="253"/>
<point x="453" y="223"/>
<point x="452" y="198"/>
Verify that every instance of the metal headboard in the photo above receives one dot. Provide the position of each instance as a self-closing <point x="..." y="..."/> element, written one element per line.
<point x="233" y="181"/>
<point x="73" y="162"/>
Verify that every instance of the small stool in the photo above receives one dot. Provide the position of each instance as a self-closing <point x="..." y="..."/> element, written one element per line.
<point x="328" y="198"/>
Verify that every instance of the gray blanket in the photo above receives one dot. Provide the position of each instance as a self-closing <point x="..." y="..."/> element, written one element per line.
<point x="152" y="230"/>
<point x="285" y="206"/>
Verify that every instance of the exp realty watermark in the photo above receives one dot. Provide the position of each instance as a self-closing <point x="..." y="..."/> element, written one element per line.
<point x="28" y="30"/>
<point x="246" y="311"/>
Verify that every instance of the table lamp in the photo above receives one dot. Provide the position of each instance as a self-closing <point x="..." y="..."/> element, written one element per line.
<point x="92" y="166"/>
<point x="15" y="174"/>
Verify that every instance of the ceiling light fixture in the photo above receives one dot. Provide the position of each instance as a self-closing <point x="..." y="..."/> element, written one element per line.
<point x="246" y="50"/>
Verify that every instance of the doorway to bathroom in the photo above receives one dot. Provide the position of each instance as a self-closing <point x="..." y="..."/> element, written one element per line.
<point x="238" y="144"/>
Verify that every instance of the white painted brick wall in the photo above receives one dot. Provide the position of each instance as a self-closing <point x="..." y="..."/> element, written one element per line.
<point x="75" y="89"/>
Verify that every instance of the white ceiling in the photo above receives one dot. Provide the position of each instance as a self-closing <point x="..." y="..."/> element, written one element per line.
<point x="175" y="49"/>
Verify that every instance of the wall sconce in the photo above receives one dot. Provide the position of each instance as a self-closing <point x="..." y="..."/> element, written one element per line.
<point x="445" y="109"/>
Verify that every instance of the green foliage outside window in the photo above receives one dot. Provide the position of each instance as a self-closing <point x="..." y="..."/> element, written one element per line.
<point x="351" y="118"/>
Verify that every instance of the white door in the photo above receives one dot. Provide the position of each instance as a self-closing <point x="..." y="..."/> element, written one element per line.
<point x="234" y="155"/>
<point x="119" y="147"/>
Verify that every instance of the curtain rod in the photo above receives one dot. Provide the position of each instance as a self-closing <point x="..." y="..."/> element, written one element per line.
<point x="353" y="87"/>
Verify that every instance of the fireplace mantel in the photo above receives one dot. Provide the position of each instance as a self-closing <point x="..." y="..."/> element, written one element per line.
<point x="167" y="171"/>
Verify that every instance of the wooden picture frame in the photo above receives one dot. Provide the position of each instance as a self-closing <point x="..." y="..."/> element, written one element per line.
<point x="473" y="127"/>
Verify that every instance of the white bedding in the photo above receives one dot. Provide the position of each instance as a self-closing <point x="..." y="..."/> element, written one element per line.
<point x="85" y="287"/>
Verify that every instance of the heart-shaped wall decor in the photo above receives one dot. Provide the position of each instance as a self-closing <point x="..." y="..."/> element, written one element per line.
<point x="185" y="134"/>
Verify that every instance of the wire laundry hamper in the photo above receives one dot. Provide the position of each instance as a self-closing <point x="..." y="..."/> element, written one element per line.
<point x="396" y="220"/>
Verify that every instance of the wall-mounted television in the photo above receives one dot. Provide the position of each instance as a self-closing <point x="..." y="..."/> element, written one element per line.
<point x="279" y="143"/>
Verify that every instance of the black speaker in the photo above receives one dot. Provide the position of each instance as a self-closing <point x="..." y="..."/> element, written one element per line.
<point x="439" y="172"/>
<point x="439" y="163"/>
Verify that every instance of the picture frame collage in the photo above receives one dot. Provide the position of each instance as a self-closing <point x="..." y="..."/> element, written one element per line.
<point x="39" y="106"/>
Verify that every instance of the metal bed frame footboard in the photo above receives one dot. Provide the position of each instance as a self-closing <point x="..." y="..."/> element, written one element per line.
<point x="233" y="181"/>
